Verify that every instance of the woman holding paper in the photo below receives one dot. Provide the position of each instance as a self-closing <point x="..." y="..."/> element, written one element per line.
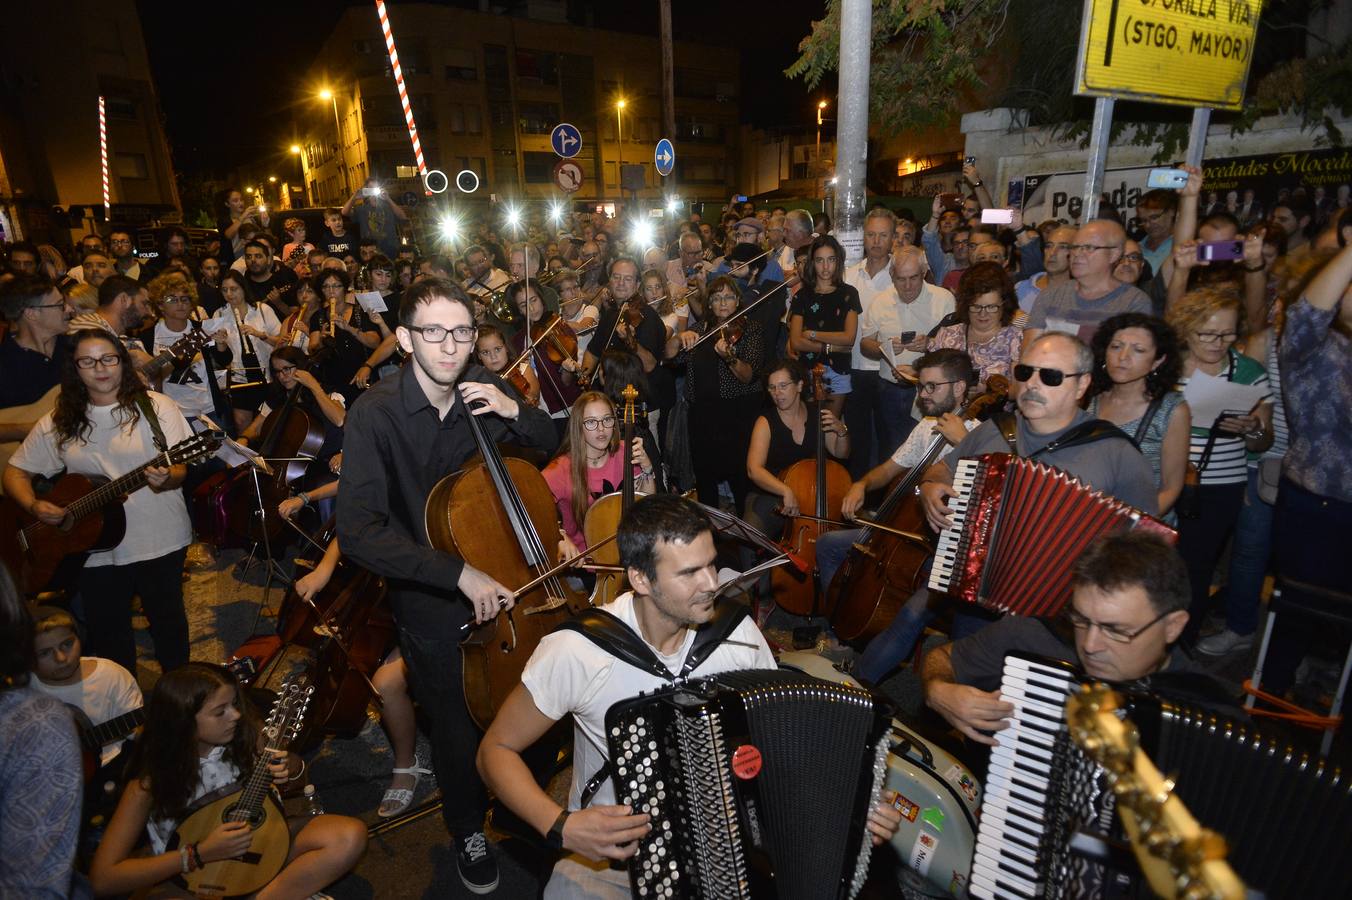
<point x="342" y="334"/>
<point x="1209" y="321"/>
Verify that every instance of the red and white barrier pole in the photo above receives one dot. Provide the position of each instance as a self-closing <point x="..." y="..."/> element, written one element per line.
<point x="403" y="92"/>
<point x="103" y="155"/>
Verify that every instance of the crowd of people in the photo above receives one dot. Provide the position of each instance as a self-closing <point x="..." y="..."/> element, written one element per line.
<point x="742" y="338"/>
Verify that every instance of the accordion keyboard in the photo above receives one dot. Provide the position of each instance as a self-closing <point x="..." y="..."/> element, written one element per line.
<point x="948" y="551"/>
<point x="1015" y="819"/>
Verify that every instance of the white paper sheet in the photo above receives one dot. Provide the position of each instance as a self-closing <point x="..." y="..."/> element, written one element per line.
<point x="372" y="302"/>
<point x="1208" y="396"/>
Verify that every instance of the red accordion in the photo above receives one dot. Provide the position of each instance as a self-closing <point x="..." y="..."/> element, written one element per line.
<point x="1018" y="528"/>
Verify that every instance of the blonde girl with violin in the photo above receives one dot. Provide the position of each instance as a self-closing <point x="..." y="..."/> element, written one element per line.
<point x="200" y="735"/>
<point x="590" y="464"/>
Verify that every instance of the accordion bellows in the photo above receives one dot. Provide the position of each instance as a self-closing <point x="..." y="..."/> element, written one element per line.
<point x="759" y="784"/>
<point x="1018" y="528"/>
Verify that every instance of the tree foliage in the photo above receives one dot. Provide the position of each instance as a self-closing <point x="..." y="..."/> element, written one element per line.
<point x="928" y="53"/>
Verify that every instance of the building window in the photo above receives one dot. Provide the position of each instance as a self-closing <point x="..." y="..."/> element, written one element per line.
<point x="461" y="65"/>
<point x="538" y="167"/>
<point x="130" y="165"/>
<point x="466" y="119"/>
<point x="698" y="129"/>
<point x="537" y="67"/>
<point x="703" y="171"/>
<point x="119" y="107"/>
<point x="405" y="171"/>
<point x="538" y="118"/>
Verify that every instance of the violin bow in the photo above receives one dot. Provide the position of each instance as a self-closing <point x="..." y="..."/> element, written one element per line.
<point x="545" y="576"/>
<point x="742" y="312"/>
<point x="863" y="523"/>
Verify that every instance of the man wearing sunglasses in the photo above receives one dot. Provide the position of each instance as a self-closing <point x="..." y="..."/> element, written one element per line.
<point x="1050" y="380"/>
<point x="1128" y="608"/>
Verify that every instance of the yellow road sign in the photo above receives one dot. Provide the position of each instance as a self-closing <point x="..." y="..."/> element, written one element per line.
<point x="1185" y="52"/>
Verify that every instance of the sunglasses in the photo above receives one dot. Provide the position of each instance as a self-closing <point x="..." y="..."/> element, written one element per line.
<point x="1050" y="377"/>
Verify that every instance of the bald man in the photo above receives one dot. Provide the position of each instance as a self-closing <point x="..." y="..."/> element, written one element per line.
<point x="1093" y="294"/>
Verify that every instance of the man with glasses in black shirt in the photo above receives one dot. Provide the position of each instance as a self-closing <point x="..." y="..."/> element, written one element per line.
<point x="401" y="437"/>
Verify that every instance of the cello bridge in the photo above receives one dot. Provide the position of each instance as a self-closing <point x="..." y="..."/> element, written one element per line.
<point x="549" y="605"/>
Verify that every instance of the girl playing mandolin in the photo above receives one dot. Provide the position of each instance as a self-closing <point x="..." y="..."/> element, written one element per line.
<point x="199" y="737"/>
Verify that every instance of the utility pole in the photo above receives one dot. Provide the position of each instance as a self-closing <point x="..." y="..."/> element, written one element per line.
<point x="856" y="40"/>
<point x="668" y="80"/>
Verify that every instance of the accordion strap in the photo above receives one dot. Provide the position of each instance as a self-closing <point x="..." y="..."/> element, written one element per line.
<point x="612" y="635"/>
<point x="1086" y="432"/>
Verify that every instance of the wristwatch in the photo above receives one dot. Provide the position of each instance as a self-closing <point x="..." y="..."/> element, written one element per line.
<point x="554" y="839"/>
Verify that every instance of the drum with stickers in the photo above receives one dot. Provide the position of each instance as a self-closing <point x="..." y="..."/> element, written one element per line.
<point x="937" y="795"/>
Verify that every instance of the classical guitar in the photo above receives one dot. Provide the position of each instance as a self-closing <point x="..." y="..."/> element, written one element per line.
<point x="252" y="801"/>
<point x="1179" y="857"/>
<point x="180" y="354"/>
<point x="95" y="520"/>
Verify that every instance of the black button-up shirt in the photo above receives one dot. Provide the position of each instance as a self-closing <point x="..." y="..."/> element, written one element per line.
<point x="395" y="450"/>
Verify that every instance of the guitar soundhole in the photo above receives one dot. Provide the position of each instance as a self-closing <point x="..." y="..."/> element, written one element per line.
<point x="232" y="814"/>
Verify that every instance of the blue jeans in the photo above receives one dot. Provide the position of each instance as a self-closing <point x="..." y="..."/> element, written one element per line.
<point x="894" y="415"/>
<point x="832" y="548"/>
<point x="1249" y="557"/>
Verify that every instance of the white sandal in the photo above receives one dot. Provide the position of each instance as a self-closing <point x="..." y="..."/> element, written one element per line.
<point x="396" y="800"/>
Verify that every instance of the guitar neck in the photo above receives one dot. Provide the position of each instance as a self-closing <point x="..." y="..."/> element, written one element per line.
<point x="118" y="487"/>
<point x="113" y="730"/>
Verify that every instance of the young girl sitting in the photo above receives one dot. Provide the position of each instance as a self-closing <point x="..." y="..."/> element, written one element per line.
<point x="199" y="737"/>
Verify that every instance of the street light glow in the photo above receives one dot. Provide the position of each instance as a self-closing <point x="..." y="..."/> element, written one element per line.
<point x="642" y="234"/>
<point x="673" y="204"/>
<point x="272" y="179"/>
<point x="619" y="104"/>
<point x="295" y="149"/>
<point x="513" y="217"/>
<point x="821" y="104"/>
<point x="449" y="228"/>
<point x="325" y="94"/>
<point x="555" y="213"/>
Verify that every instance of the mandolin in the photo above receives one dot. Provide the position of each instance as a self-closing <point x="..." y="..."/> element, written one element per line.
<point x="95" y="520"/>
<point x="252" y="801"/>
<point x="1178" y="856"/>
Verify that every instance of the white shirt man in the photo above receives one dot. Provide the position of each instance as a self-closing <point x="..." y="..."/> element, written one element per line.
<point x="910" y="304"/>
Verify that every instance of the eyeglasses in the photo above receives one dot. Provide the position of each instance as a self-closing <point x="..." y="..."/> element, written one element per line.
<point x="985" y="308"/>
<point x="284" y="370"/>
<point x="1111" y="632"/>
<point x="723" y="298"/>
<point x="1050" y="377"/>
<point x="119" y="243"/>
<point x="1131" y="257"/>
<point x="176" y="300"/>
<point x="110" y="361"/>
<point x="776" y="387"/>
<point x="436" y="334"/>
<point x="1090" y="248"/>
<point x="1215" y="337"/>
<point x="49" y="305"/>
<point x="929" y="387"/>
<point x="593" y="424"/>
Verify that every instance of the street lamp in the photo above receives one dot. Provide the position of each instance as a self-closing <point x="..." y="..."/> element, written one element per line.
<point x="326" y="94"/>
<point x="619" y="143"/>
<point x="817" y="160"/>
<point x="300" y="166"/>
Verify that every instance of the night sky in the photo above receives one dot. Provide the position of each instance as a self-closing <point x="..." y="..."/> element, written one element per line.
<point x="228" y="92"/>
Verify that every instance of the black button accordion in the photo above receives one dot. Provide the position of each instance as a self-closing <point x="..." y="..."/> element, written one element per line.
<point x="759" y="784"/>
<point x="1286" y="816"/>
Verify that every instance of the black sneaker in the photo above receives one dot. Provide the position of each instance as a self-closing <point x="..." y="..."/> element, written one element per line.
<point x="478" y="869"/>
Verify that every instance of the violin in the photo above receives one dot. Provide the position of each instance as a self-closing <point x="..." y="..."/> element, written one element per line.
<point x="603" y="518"/>
<point x="732" y="331"/>
<point x="820" y="485"/>
<point x="883" y="569"/>
<point x="492" y="514"/>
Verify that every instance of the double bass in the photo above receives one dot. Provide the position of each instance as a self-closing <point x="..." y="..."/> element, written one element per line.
<point x="883" y="570"/>
<point x="820" y="485"/>
<point x="603" y="518"/>
<point x="491" y="514"/>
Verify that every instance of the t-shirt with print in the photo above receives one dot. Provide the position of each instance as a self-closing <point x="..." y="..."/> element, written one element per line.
<point x="827" y="312"/>
<point x="568" y="673"/>
<point x="1061" y="308"/>
<point x="339" y="245"/>
<point x="157" y="521"/>
<point x="605" y="479"/>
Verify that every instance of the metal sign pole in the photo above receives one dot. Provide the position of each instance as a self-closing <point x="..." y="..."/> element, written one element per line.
<point x="1098" y="156"/>
<point x="1201" y="121"/>
<point x="856" y="40"/>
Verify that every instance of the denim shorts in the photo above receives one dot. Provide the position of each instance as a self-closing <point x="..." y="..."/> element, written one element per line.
<point x="837" y="383"/>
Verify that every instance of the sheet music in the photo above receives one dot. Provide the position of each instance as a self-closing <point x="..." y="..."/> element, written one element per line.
<point x="232" y="451"/>
<point x="372" y="302"/>
<point x="728" y="579"/>
<point x="1208" y="396"/>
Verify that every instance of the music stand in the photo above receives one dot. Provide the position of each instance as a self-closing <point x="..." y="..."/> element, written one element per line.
<point x="258" y="464"/>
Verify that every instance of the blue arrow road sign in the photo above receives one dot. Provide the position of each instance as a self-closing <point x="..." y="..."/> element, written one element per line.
<point x="665" y="157"/>
<point x="566" y="140"/>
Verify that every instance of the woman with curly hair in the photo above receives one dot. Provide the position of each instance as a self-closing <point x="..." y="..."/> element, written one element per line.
<point x="101" y="428"/>
<point x="1209" y="321"/>
<point x="200" y="735"/>
<point x="985" y="329"/>
<point x="1136" y="365"/>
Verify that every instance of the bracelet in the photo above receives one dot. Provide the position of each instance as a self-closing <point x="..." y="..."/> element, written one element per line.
<point x="303" y="497"/>
<point x="183" y="860"/>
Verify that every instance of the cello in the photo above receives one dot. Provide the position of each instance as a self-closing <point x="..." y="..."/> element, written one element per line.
<point x="491" y="514"/>
<point x="603" y="518"/>
<point x="820" y="485"/>
<point x="226" y="504"/>
<point x="883" y="570"/>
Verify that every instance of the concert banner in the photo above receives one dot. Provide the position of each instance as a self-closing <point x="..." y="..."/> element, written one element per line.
<point x="1246" y="186"/>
